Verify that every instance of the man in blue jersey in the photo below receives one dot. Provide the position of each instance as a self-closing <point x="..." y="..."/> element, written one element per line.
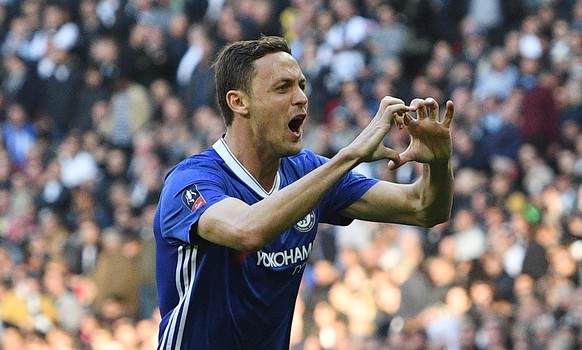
<point x="236" y="223"/>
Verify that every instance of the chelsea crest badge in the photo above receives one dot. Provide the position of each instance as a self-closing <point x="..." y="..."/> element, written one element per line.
<point x="306" y="224"/>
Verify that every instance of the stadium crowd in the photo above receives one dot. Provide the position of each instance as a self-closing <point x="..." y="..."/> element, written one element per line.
<point x="99" y="98"/>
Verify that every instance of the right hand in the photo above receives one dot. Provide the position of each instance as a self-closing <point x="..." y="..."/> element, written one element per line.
<point x="368" y="146"/>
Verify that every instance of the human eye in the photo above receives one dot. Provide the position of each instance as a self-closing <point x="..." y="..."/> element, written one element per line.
<point x="302" y="85"/>
<point x="283" y="87"/>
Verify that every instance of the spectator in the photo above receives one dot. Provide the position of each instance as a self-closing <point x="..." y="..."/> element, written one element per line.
<point x="116" y="297"/>
<point x="487" y="14"/>
<point x="20" y="85"/>
<point x="496" y="77"/>
<point x="90" y="26"/>
<point x="474" y="44"/>
<point x="129" y="111"/>
<point x="387" y="298"/>
<point x="16" y="40"/>
<point x="442" y="274"/>
<point x="388" y="38"/>
<point x="68" y="308"/>
<point x="407" y="275"/>
<point x="540" y="124"/>
<point x="500" y="135"/>
<point x="436" y="19"/>
<point x="344" y="40"/>
<point x="496" y="334"/>
<point x="19" y="135"/>
<point x="315" y="73"/>
<point x="77" y="166"/>
<point x="56" y="27"/>
<point x="195" y="76"/>
<point x="257" y="17"/>
<point x="228" y="27"/>
<point x="53" y="194"/>
<point x="82" y="248"/>
<point x="26" y="306"/>
<point x="61" y="79"/>
<point x="147" y="52"/>
<point x="53" y="233"/>
<point x="177" y="38"/>
<point x="468" y="153"/>
<point x="93" y="90"/>
<point x="468" y="238"/>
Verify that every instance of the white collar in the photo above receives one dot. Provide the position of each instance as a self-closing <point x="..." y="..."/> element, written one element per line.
<point x="225" y="153"/>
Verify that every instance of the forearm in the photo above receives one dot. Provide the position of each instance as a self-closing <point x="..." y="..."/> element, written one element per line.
<point x="251" y="227"/>
<point x="292" y="203"/>
<point x="435" y="192"/>
<point x="426" y="202"/>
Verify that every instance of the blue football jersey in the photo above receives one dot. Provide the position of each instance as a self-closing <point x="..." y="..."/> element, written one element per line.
<point x="214" y="297"/>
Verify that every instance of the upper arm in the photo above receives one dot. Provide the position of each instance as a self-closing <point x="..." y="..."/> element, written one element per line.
<point x="388" y="202"/>
<point x="189" y="191"/>
<point x="204" y="211"/>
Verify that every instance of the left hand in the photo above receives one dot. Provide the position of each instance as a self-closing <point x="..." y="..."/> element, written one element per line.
<point x="430" y="139"/>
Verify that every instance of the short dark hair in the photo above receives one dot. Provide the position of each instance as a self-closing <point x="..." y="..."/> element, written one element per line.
<point x="234" y="67"/>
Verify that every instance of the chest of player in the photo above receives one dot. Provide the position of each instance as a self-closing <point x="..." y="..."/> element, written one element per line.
<point x="287" y="254"/>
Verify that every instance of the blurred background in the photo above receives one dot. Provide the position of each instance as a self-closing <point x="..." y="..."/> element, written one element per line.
<point x="99" y="98"/>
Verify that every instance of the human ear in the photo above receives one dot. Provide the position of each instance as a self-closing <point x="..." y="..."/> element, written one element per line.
<point x="237" y="102"/>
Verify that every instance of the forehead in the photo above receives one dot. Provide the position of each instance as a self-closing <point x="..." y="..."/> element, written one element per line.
<point x="275" y="67"/>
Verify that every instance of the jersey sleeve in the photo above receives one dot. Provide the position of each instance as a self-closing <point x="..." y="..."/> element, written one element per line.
<point x="347" y="191"/>
<point x="188" y="191"/>
<point x="344" y="193"/>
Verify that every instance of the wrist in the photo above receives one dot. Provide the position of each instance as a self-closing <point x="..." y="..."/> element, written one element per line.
<point x="346" y="156"/>
<point x="439" y="168"/>
<point x="440" y="162"/>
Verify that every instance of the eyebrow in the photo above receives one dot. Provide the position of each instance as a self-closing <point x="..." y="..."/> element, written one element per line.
<point x="287" y="81"/>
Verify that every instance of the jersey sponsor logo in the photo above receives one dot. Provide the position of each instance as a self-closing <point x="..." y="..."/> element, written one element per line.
<point x="285" y="257"/>
<point x="192" y="198"/>
<point x="306" y="224"/>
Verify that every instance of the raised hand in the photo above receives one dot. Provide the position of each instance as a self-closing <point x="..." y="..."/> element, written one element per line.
<point x="430" y="139"/>
<point x="368" y="146"/>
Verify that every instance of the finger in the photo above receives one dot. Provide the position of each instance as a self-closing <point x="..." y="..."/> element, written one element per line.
<point x="396" y="112"/>
<point x="391" y="154"/>
<point x="415" y="103"/>
<point x="407" y="119"/>
<point x="433" y="109"/>
<point x="396" y="163"/>
<point x="399" y="120"/>
<point x="406" y="156"/>
<point x="394" y="160"/>
<point x="392" y="165"/>
<point x="388" y="101"/>
<point x="384" y="110"/>
<point x="418" y="105"/>
<point x="450" y="111"/>
<point x="401" y="116"/>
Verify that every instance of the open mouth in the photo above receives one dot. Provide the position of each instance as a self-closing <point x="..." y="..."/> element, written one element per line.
<point x="295" y="124"/>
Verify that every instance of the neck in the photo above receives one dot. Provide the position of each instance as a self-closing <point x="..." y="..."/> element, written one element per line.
<point x="259" y="162"/>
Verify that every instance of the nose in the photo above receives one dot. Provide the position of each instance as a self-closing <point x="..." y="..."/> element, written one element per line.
<point x="300" y="98"/>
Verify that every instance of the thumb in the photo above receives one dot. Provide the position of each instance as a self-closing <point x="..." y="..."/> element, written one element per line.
<point x="403" y="158"/>
<point x="395" y="164"/>
<point x="393" y="156"/>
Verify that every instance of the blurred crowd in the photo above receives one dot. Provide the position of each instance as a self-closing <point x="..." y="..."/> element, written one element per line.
<point x="99" y="98"/>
